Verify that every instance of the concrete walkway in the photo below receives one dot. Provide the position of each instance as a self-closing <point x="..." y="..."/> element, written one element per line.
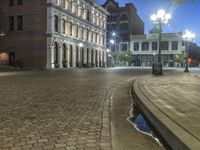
<point x="171" y="103"/>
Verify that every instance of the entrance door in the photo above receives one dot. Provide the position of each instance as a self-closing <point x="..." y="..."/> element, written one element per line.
<point x="92" y="57"/>
<point x="70" y="56"/>
<point x="11" y="58"/>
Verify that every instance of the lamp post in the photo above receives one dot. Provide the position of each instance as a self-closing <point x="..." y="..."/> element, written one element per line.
<point x="188" y="36"/>
<point x="160" y="18"/>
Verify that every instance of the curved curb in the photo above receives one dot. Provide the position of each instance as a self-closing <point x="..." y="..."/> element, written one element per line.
<point x="176" y="137"/>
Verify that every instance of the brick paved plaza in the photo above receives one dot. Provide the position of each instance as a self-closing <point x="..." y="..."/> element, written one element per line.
<point x="58" y="109"/>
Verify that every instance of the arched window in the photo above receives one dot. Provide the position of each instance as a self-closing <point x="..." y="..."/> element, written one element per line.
<point x="124" y="17"/>
<point x="56" y="23"/>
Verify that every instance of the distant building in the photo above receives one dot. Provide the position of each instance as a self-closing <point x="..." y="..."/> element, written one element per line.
<point x="145" y="49"/>
<point x="123" y="21"/>
<point x="52" y="33"/>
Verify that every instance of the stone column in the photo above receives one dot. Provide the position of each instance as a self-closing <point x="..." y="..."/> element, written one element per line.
<point x="50" y="57"/>
<point x="89" y="55"/>
<point x="80" y="32"/>
<point x="67" y="53"/>
<point x="74" y="56"/>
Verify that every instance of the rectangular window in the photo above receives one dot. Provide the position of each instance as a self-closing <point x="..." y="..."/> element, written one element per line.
<point x="56" y="23"/>
<point x="11" y="3"/>
<point x="11" y="23"/>
<point x="136" y="46"/>
<point x="19" y="23"/>
<point x="154" y="46"/>
<point x="174" y="45"/>
<point x="145" y="46"/>
<point x="164" y="45"/>
<point x="88" y="15"/>
<point x="63" y="26"/>
<point x="19" y="2"/>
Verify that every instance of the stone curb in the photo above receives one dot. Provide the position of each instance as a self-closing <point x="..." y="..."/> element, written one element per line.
<point x="175" y="136"/>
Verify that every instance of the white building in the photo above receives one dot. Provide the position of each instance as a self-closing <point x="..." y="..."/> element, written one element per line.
<point x="76" y="33"/>
<point x="145" y="48"/>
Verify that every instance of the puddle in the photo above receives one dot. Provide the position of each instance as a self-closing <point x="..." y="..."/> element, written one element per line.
<point x="141" y="125"/>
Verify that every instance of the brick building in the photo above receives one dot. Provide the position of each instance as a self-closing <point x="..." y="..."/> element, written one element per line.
<point x="52" y="33"/>
<point x="124" y="22"/>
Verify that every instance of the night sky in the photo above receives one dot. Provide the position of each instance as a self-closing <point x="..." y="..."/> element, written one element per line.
<point x="184" y="16"/>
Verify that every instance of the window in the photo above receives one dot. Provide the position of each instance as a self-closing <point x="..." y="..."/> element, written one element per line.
<point x="124" y="17"/>
<point x="113" y="17"/>
<point x="108" y="18"/>
<point x="154" y="46"/>
<point x="64" y="22"/>
<point x="124" y="26"/>
<point x="19" y="23"/>
<point x="87" y="34"/>
<point x="19" y="2"/>
<point x="56" y="23"/>
<point x="174" y="45"/>
<point x="88" y="15"/>
<point x="11" y="23"/>
<point x="124" y="47"/>
<point x="113" y="26"/>
<point x="70" y="29"/>
<point x="11" y="3"/>
<point x="164" y="45"/>
<point x="183" y="43"/>
<point x="136" y="46"/>
<point x="63" y="3"/>
<point x="145" y="46"/>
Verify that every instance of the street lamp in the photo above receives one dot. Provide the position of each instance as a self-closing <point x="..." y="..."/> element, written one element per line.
<point x="160" y="18"/>
<point x="112" y="41"/>
<point x="188" y="36"/>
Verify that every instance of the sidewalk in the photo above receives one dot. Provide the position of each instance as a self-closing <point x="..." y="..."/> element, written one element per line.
<point x="171" y="103"/>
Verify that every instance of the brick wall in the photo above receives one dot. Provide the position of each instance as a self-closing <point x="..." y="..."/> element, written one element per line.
<point x="29" y="44"/>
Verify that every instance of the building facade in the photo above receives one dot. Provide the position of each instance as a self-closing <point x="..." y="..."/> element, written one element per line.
<point x="145" y="49"/>
<point x="123" y="21"/>
<point x="53" y="33"/>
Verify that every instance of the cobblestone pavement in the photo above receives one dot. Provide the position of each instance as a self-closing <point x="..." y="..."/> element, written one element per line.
<point x="58" y="109"/>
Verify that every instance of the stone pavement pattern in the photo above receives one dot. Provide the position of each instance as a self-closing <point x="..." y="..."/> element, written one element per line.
<point x="57" y="109"/>
<point x="177" y="97"/>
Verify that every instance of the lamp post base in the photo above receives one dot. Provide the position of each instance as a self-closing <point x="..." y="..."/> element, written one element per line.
<point x="157" y="69"/>
<point x="186" y="70"/>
